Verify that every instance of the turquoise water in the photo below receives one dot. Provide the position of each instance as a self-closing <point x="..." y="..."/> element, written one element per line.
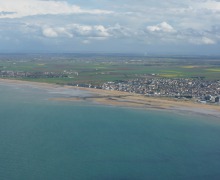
<point x="41" y="139"/>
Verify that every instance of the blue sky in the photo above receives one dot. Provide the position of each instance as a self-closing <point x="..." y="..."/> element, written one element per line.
<point x="116" y="26"/>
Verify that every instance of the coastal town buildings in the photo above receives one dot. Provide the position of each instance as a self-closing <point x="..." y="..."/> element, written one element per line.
<point x="199" y="89"/>
<point x="202" y="90"/>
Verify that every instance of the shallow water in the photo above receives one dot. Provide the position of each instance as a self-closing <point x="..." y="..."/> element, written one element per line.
<point x="43" y="139"/>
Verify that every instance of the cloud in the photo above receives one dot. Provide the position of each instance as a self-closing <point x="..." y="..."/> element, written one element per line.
<point x="86" y="42"/>
<point x="160" y="33"/>
<point x="87" y="30"/>
<point x="208" y="4"/>
<point x="76" y="30"/>
<point x="23" y="8"/>
<point x="202" y="41"/>
<point x="206" y="40"/>
<point x="119" y="31"/>
<point x="162" y="27"/>
<point x="116" y="23"/>
<point x="87" y="33"/>
<point x="49" y="32"/>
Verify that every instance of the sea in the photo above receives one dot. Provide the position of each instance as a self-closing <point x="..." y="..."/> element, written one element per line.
<point x="44" y="139"/>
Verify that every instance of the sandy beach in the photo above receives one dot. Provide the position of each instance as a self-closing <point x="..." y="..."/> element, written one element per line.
<point x="124" y="99"/>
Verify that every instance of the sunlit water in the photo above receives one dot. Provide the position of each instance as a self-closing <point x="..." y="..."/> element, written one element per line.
<point x="42" y="139"/>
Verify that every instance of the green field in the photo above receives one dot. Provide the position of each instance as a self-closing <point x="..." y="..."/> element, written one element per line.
<point x="98" y="70"/>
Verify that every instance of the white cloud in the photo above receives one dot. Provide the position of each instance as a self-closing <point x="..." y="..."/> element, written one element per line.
<point x="77" y="30"/>
<point x="137" y="22"/>
<point x="206" y="40"/>
<point x="98" y="38"/>
<point x="162" y="27"/>
<point x="119" y="31"/>
<point x="101" y="31"/>
<point x="23" y="8"/>
<point x="202" y="40"/>
<point x="86" y="42"/>
<point x="209" y="5"/>
<point x="56" y="32"/>
<point x="161" y="33"/>
<point x="88" y="30"/>
<point x="64" y="32"/>
<point x="49" y="32"/>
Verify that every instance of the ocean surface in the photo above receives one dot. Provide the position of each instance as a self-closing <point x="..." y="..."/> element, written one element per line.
<point x="42" y="139"/>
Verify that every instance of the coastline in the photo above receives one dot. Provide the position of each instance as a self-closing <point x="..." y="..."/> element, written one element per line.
<point x="125" y="99"/>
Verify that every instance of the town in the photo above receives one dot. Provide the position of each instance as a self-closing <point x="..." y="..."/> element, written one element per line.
<point x="197" y="88"/>
<point x="204" y="91"/>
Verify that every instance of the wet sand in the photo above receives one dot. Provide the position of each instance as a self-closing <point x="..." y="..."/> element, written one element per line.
<point x="124" y="99"/>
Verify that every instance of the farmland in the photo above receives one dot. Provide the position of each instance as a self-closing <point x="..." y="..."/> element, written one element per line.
<point x="97" y="69"/>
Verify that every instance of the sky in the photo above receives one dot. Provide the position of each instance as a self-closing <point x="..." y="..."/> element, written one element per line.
<point x="187" y="27"/>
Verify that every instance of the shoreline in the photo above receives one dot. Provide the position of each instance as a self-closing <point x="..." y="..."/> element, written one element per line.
<point x="125" y="99"/>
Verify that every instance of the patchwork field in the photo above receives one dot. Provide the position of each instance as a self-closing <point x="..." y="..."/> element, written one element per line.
<point x="97" y="69"/>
